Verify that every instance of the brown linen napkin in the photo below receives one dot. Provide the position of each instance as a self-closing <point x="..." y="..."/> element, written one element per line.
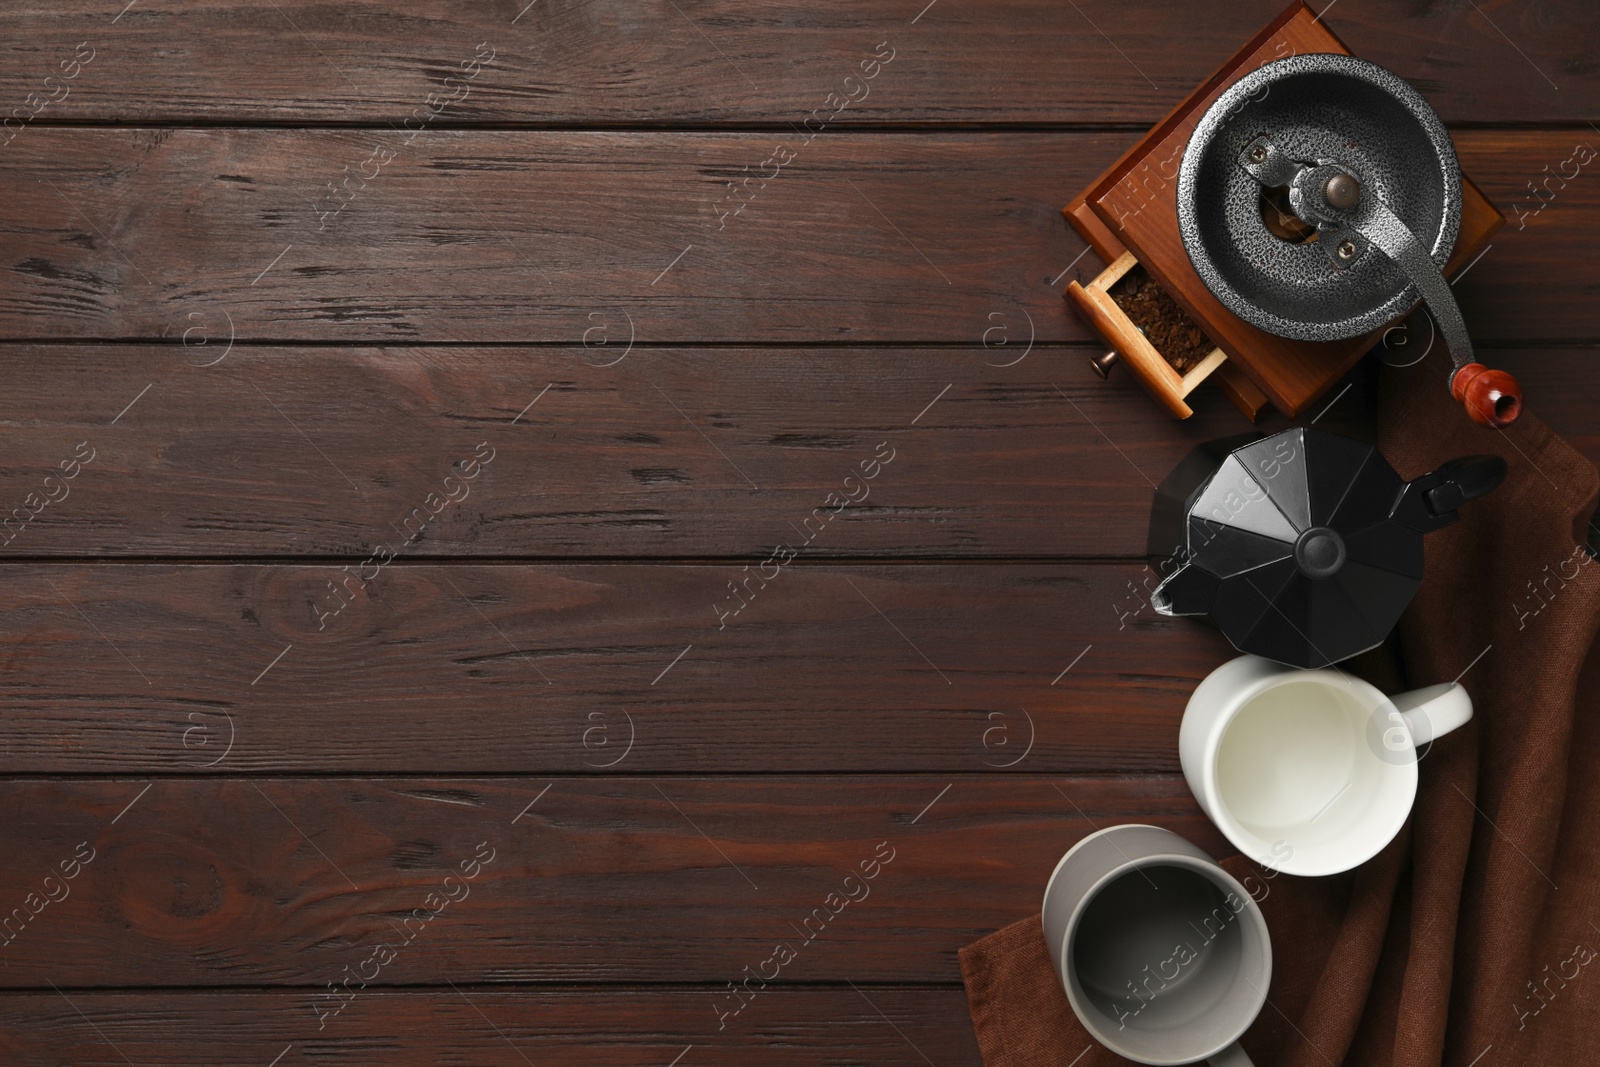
<point x="1472" y="939"/>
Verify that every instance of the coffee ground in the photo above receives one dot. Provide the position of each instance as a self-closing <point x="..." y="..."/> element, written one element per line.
<point x="1172" y="333"/>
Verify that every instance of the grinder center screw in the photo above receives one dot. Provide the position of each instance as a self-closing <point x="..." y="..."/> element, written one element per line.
<point x="1342" y="191"/>
<point x="1346" y="249"/>
<point x="1258" y="154"/>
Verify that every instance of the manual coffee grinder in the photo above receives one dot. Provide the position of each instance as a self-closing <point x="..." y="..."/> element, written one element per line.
<point x="1270" y="229"/>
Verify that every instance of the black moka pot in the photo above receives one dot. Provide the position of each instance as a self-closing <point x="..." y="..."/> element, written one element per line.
<point x="1303" y="547"/>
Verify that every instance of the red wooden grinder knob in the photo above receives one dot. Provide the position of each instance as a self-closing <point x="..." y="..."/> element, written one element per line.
<point x="1491" y="397"/>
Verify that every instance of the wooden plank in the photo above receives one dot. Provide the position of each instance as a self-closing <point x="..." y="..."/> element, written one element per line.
<point x="612" y="1027"/>
<point x="482" y="237"/>
<point x="536" y="237"/>
<point x="469" y="237"/>
<point x="616" y="880"/>
<point x="581" y="669"/>
<point x="997" y="450"/>
<point x="721" y="61"/>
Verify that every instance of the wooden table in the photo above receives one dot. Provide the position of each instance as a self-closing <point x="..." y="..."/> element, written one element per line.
<point x="521" y="511"/>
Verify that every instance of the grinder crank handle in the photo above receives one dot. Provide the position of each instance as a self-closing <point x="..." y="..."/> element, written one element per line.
<point x="1330" y="196"/>
<point x="1491" y="397"/>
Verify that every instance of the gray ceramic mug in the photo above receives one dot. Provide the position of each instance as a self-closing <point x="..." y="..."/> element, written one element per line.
<point x="1164" y="955"/>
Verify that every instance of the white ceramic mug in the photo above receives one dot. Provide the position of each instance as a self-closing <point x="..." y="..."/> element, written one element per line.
<point x="1308" y="772"/>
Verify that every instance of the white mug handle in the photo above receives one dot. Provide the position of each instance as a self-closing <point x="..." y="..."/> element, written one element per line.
<point x="1434" y="711"/>
<point x="1232" y="1056"/>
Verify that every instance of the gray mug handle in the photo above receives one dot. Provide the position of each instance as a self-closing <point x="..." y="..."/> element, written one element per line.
<point x="1232" y="1056"/>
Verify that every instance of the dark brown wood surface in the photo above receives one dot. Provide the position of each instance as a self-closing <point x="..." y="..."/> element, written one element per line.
<point x="486" y="1026"/>
<point x="715" y="62"/>
<point x="250" y="881"/>
<point x="1016" y="456"/>
<point x="159" y="669"/>
<point x="538" y="360"/>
